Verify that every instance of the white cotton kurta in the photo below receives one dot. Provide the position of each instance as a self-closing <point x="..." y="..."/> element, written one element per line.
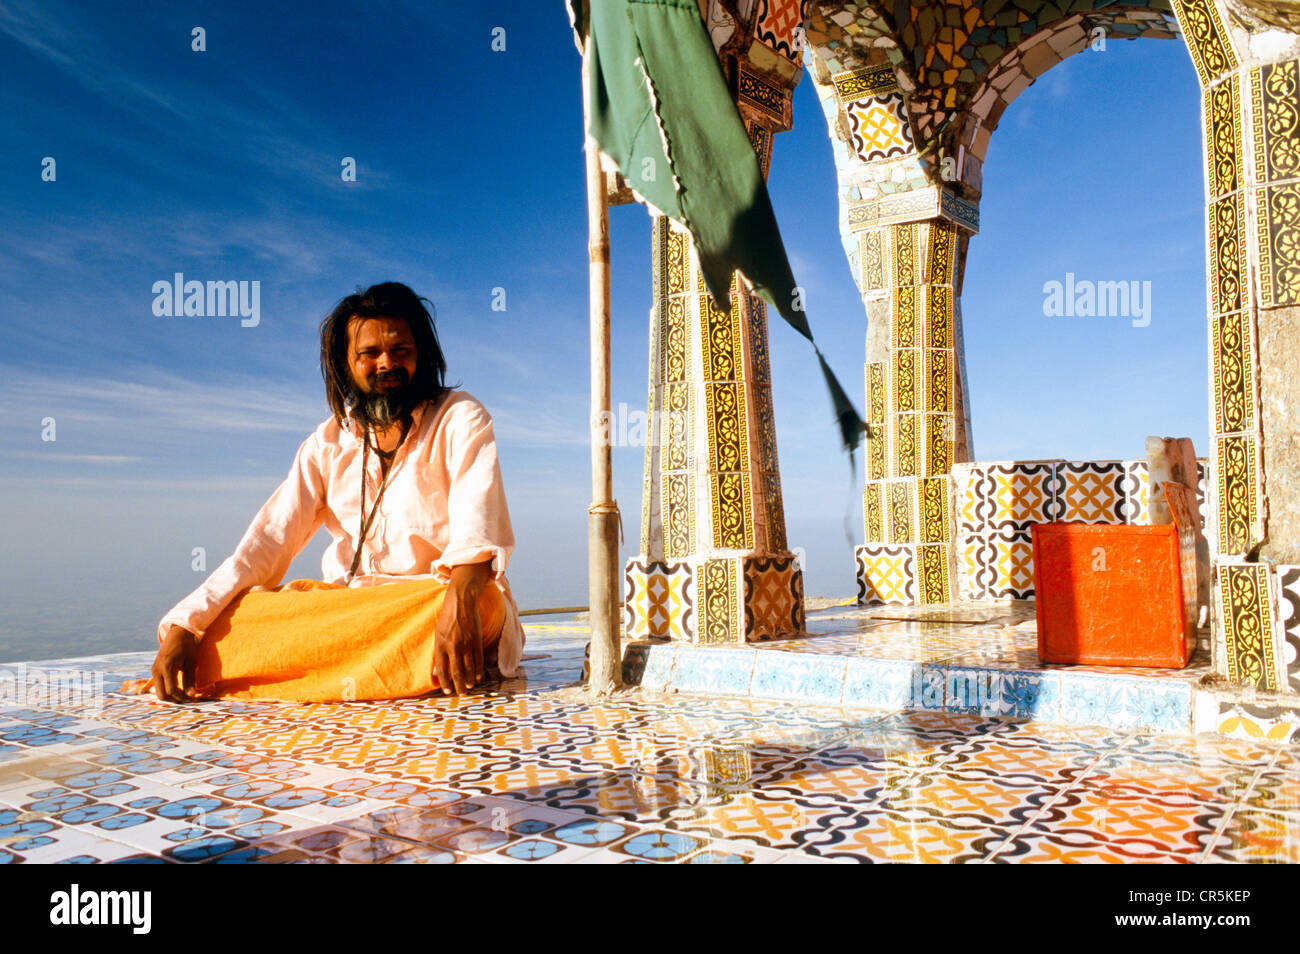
<point x="444" y="506"/>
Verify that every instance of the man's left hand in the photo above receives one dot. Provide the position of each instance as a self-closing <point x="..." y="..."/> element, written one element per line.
<point x="458" y="643"/>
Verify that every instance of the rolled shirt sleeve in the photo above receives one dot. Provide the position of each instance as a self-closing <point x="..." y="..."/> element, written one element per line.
<point x="478" y="519"/>
<point x="279" y="532"/>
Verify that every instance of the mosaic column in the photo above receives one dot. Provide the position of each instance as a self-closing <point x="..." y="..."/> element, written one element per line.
<point x="1251" y="123"/>
<point x="714" y="565"/>
<point x="905" y="231"/>
<point x="916" y="409"/>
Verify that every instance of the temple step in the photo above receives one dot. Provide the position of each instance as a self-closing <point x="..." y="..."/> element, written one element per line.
<point x="979" y="658"/>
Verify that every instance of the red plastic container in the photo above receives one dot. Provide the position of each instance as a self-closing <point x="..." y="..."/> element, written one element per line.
<point x="1110" y="595"/>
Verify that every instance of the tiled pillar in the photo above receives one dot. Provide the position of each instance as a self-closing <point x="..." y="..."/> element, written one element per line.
<point x="905" y="229"/>
<point x="1251" y="124"/>
<point x="914" y="401"/>
<point x="714" y="565"/>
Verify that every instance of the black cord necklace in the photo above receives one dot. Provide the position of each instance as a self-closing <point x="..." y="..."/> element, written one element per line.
<point x="367" y="521"/>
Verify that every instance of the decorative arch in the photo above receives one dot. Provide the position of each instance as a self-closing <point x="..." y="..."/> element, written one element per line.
<point x="912" y="93"/>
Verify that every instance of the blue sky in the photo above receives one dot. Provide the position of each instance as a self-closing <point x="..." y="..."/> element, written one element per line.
<point x="225" y="165"/>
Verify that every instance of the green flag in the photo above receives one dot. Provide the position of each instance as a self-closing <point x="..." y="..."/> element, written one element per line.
<point x="660" y="108"/>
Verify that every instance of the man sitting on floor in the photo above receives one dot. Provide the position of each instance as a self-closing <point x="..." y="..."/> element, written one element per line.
<point x="404" y="476"/>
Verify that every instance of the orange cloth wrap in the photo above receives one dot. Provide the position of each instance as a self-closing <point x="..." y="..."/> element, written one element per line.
<point x="309" y="641"/>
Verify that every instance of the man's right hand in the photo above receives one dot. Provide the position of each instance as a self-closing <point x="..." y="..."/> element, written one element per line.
<point x="174" y="664"/>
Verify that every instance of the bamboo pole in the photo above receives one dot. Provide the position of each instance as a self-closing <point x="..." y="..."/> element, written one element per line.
<point x="602" y="515"/>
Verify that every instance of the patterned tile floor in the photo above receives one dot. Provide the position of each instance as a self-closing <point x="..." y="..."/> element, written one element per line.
<point x="530" y="770"/>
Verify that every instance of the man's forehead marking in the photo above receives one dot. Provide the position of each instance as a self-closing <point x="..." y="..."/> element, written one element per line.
<point x="388" y="328"/>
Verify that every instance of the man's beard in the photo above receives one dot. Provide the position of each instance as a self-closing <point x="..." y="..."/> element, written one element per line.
<point x="381" y="407"/>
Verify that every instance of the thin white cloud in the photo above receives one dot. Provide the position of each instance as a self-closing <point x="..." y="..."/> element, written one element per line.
<point x="272" y="131"/>
<point x="109" y="485"/>
<point x="1057" y="82"/>
<point x="45" y="35"/>
<point x="525" y="422"/>
<point x="276" y="247"/>
<point x="167" y="412"/>
<point x="75" y="458"/>
<point x="166" y="403"/>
